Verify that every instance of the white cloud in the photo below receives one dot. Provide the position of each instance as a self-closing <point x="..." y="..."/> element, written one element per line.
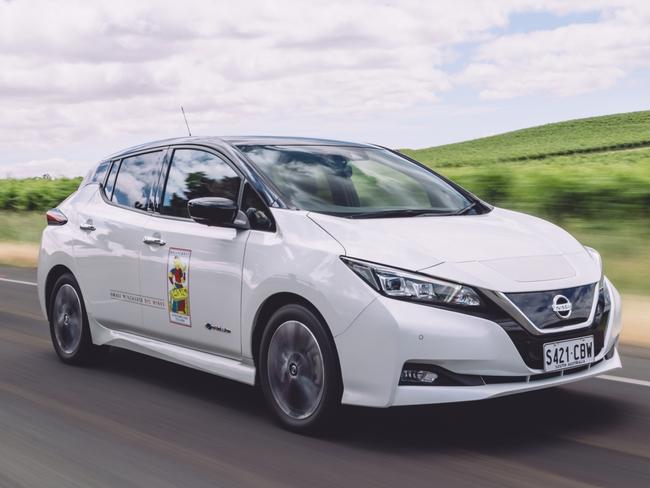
<point x="77" y="73"/>
<point x="566" y="61"/>
<point x="55" y="167"/>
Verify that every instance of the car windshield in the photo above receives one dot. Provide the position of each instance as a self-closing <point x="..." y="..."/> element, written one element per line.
<point x="357" y="182"/>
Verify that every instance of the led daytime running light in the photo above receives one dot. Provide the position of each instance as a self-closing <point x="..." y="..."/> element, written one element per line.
<point x="404" y="285"/>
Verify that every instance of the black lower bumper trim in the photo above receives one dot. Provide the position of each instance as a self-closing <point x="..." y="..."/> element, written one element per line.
<point x="449" y="378"/>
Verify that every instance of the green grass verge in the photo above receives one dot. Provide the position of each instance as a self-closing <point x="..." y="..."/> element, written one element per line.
<point x="21" y="226"/>
<point x="624" y="248"/>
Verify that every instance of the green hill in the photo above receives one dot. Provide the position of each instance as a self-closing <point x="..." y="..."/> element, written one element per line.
<point x="587" y="168"/>
<point x="581" y="136"/>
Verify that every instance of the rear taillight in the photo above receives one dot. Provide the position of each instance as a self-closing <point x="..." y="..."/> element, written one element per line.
<point x="56" y="217"/>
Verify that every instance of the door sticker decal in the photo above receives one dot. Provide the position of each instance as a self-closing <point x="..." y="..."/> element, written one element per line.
<point x="178" y="286"/>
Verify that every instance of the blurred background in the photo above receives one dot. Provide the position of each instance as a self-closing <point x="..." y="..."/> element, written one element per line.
<point x="540" y="106"/>
<point x="534" y="105"/>
<point x="590" y="176"/>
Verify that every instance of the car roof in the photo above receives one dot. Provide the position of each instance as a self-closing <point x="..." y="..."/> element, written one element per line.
<point x="237" y="141"/>
<point x="287" y="141"/>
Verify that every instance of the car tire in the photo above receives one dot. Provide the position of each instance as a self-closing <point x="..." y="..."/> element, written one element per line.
<point x="69" y="327"/>
<point x="299" y="370"/>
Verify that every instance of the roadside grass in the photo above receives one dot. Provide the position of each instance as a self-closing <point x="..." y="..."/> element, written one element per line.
<point x="21" y="227"/>
<point x="624" y="248"/>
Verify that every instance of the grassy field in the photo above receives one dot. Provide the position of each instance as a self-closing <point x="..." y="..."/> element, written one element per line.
<point x="606" y="185"/>
<point x="35" y="193"/>
<point x="595" y="134"/>
<point x="624" y="247"/>
<point x="21" y="227"/>
<point x="573" y="170"/>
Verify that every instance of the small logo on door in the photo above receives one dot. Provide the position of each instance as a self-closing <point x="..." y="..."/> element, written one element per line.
<point x="218" y="328"/>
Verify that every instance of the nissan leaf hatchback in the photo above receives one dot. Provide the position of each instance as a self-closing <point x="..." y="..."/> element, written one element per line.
<point x="326" y="272"/>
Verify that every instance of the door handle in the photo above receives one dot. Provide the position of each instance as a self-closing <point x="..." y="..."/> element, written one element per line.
<point x="154" y="241"/>
<point x="87" y="226"/>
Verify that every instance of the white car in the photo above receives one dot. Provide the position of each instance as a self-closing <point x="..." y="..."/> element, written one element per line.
<point x="327" y="272"/>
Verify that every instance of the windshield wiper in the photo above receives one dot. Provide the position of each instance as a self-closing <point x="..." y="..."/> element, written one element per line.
<point x="463" y="211"/>
<point x="403" y="212"/>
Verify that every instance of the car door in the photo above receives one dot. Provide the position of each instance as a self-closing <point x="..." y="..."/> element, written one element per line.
<point x="191" y="273"/>
<point x="109" y="242"/>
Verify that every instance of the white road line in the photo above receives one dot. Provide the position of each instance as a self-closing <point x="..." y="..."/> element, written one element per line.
<point x="18" y="282"/>
<point x="621" y="379"/>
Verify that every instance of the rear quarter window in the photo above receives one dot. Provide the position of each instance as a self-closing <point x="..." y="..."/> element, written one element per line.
<point x="110" y="179"/>
<point x="135" y="178"/>
<point x="97" y="174"/>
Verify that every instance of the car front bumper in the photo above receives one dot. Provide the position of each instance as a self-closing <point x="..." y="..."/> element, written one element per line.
<point x="390" y="333"/>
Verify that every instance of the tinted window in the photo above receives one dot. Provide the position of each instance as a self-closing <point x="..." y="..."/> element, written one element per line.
<point x="100" y="172"/>
<point x="194" y="174"/>
<point x="135" y="179"/>
<point x="110" y="181"/>
<point x="258" y="213"/>
<point x="350" y="180"/>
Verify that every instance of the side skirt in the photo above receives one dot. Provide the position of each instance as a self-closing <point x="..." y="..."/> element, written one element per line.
<point x="209" y="363"/>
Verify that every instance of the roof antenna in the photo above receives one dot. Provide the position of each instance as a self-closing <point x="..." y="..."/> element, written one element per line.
<point x="186" y="124"/>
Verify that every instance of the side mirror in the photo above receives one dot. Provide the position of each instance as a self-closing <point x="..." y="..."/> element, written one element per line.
<point x="215" y="211"/>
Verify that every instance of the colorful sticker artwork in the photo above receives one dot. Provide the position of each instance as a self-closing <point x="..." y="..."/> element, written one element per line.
<point x="178" y="286"/>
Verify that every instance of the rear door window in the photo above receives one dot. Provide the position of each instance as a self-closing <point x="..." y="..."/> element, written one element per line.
<point x="194" y="174"/>
<point x="135" y="179"/>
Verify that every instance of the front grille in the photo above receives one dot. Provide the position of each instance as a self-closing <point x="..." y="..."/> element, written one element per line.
<point x="538" y="306"/>
<point x="531" y="346"/>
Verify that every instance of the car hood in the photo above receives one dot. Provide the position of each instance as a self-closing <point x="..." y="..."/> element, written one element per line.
<point x="504" y="250"/>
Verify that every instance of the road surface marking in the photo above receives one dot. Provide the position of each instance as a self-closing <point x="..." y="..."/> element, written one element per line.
<point x="621" y="379"/>
<point x="29" y="283"/>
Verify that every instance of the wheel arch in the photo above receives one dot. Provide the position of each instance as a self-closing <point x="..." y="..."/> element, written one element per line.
<point x="269" y="307"/>
<point x="54" y="274"/>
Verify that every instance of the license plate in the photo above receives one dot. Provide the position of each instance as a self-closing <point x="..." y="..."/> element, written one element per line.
<point x="568" y="354"/>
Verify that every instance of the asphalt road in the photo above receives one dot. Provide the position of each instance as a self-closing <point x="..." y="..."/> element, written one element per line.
<point x="138" y="421"/>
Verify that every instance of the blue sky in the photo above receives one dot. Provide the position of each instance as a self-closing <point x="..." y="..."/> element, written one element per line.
<point x="93" y="77"/>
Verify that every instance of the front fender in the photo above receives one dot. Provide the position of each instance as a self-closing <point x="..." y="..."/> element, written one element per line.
<point x="301" y="258"/>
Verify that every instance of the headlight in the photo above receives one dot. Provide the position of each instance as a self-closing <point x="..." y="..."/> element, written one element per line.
<point x="595" y="255"/>
<point x="400" y="284"/>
